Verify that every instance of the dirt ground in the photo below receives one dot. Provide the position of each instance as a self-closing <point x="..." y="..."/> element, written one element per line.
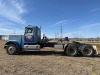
<point x="47" y="63"/>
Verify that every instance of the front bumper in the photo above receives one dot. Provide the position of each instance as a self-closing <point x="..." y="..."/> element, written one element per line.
<point x="5" y="46"/>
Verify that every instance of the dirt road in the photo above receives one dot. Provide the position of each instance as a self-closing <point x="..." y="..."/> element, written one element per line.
<point x="47" y="63"/>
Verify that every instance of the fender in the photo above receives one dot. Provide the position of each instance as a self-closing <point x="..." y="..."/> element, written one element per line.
<point x="65" y="47"/>
<point x="95" y="49"/>
<point x="12" y="42"/>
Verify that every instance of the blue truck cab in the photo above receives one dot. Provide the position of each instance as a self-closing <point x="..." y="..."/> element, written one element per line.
<point x="28" y="41"/>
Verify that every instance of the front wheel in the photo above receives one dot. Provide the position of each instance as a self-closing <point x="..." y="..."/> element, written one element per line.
<point x="11" y="49"/>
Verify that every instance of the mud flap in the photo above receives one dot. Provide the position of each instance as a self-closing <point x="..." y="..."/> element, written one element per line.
<point x="95" y="50"/>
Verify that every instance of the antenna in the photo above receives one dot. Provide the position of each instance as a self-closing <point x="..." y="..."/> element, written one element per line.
<point x="61" y="32"/>
<point x="58" y="34"/>
<point x="40" y="31"/>
<point x="55" y="35"/>
<point x="40" y="27"/>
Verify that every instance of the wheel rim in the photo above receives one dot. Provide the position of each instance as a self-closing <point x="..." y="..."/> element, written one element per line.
<point x="72" y="51"/>
<point x="88" y="51"/>
<point x="11" y="49"/>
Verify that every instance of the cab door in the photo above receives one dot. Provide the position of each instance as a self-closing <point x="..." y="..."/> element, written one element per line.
<point x="29" y="35"/>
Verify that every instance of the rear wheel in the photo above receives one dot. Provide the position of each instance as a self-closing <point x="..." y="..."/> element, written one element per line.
<point x="72" y="50"/>
<point x="87" y="50"/>
<point x="11" y="49"/>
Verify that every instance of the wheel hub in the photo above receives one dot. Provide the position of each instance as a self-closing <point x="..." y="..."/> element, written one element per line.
<point x="11" y="49"/>
<point x="72" y="51"/>
<point x="88" y="51"/>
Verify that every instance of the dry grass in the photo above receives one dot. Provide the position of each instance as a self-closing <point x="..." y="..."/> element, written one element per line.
<point x="47" y="63"/>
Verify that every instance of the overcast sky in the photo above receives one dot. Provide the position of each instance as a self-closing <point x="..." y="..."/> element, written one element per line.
<point x="79" y="18"/>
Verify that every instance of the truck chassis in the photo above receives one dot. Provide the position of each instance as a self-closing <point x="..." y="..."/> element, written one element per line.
<point x="70" y="49"/>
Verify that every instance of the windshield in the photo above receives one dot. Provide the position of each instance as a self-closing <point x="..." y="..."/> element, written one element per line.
<point x="28" y="30"/>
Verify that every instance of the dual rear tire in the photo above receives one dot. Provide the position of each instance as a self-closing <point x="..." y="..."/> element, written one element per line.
<point x="87" y="50"/>
<point x="73" y="50"/>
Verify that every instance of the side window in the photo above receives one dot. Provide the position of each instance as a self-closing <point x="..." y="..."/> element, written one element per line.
<point x="29" y="30"/>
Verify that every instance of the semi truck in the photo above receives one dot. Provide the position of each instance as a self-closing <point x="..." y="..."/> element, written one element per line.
<point x="31" y="41"/>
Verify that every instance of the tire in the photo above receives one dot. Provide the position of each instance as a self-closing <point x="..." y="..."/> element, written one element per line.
<point x="11" y="49"/>
<point x="72" y="50"/>
<point x="87" y="50"/>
